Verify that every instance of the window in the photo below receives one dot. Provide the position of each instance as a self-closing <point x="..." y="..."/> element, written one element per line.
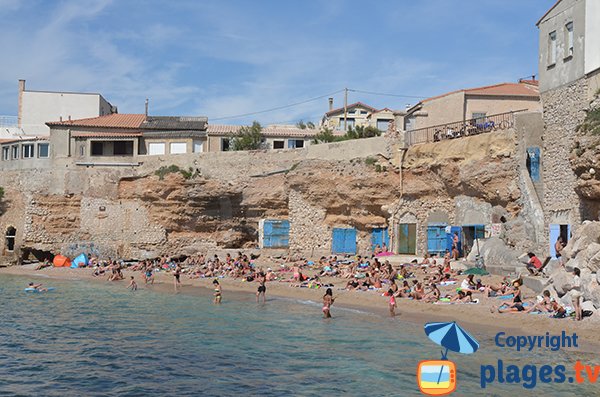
<point x="5" y="153"/>
<point x="82" y="150"/>
<point x="178" y="147"/>
<point x="224" y="144"/>
<point x="11" y="232"/>
<point x="278" y="144"/>
<point x="156" y="148"/>
<point x="479" y="117"/>
<point x="15" y="152"/>
<point x="198" y="146"/>
<point x="382" y="125"/>
<point x="295" y="143"/>
<point x="97" y="148"/>
<point x="363" y="112"/>
<point x="27" y="151"/>
<point x="123" y="148"/>
<point x="569" y="40"/>
<point x="552" y="48"/>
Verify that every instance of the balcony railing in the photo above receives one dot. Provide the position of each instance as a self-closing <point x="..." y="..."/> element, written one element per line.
<point x="8" y="121"/>
<point x="459" y="129"/>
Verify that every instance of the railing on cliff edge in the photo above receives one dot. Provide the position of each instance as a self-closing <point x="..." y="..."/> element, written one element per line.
<point x="459" y="129"/>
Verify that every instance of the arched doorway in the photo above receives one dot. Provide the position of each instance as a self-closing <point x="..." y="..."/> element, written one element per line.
<point x="11" y="232"/>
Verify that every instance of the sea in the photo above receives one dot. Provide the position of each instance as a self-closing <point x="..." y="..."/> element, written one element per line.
<point x="100" y="339"/>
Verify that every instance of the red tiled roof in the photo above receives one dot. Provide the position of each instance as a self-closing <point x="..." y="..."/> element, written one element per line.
<point x="115" y="120"/>
<point x="372" y="109"/>
<point x="527" y="89"/>
<point x="24" y="139"/>
<point x="220" y="129"/>
<point x="82" y="134"/>
<point x="547" y="12"/>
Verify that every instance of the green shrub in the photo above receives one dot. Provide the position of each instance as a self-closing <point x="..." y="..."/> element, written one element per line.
<point x="172" y="169"/>
<point x="370" y="160"/>
<point x="1" y="192"/>
<point x="591" y="124"/>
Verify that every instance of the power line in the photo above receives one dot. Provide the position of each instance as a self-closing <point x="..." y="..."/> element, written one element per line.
<point x="384" y="94"/>
<point x="277" y="108"/>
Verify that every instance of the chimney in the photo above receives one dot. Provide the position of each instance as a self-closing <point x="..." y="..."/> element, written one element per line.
<point x="146" y="111"/>
<point x="20" y="110"/>
<point x="330" y="104"/>
<point x="69" y="117"/>
<point x="60" y="119"/>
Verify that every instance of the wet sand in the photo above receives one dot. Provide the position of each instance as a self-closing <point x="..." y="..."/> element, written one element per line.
<point x="475" y="317"/>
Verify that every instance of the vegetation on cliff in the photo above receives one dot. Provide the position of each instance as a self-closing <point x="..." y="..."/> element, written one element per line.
<point x="326" y="134"/>
<point x="172" y="169"/>
<point x="248" y="138"/>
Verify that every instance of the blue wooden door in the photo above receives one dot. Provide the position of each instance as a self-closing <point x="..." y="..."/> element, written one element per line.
<point x="378" y="237"/>
<point x="554" y="234"/>
<point x="436" y="238"/>
<point x="344" y="241"/>
<point x="533" y="163"/>
<point x="450" y="238"/>
<point x="276" y="234"/>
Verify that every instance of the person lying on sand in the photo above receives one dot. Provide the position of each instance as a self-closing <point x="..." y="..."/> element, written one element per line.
<point x="433" y="295"/>
<point x="544" y="305"/>
<point x="462" y="297"/>
<point x="516" y="305"/>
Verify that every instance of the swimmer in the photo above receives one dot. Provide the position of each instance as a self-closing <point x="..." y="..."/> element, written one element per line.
<point x="37" y="287"/>
<point x="217" y="293"/>
<point x="262" y="289"/>
<point x="328" y="300"/>
<point x="132" y="284"/>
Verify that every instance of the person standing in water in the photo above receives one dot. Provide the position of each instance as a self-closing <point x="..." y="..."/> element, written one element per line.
<point x="132" y="284"/>
<point x="328" y="300"/>
<point x="392" y="303"/>
<point x="176" y="275"/>
<point x="262" y="289"/>
<point x="217" y="293"/>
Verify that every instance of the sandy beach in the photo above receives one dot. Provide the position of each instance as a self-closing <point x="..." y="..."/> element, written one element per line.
<point x="476" y="317"/>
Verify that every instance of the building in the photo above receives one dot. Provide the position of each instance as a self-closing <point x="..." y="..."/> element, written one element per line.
<point x="36" y="108"/>
<point x="474" y="103"/>
<point x="123" y="137"/>
<point x="569" y="69"/>
<point x="24" y="152"/>
<point x="356" y="114"/>
<point x="274" y="137"/>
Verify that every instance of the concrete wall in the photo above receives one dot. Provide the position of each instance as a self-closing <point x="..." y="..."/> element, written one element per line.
<point x="442" y="110"/>
<point x="494" y="105"/>
<point x="592" y="36"/>
<point x="567" y="68"/>
<point x="41" y="107"/>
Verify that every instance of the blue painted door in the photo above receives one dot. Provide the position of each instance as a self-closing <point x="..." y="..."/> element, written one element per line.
<point x="533" y="163"/>
<point x="344" y="241"/>
<point x="450" y="238"/>
<point x="378" y="237"/>
<point x="436" y="238"/>
<point x="276" y="234"/>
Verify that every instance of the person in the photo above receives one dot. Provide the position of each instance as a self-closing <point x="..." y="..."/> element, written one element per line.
<point x="328" y="300"/>
<point x="384" y="248"/>
<point x="433" y="295"/>
<point x="262" y="289"/>
<point x="37" y="287"/>
<point x="576" y="293"/>
<point x="217" y="293"/>
<point x="132" y="284"/>
<point x="534" y="264"/>
<point x="392" y="302"/>
<point x="468" y="284"/>
<point x="559" y="246"/>
<point x="517" y="302"/>
<point x="176" y="275"/>
<point x="149" y="275"/>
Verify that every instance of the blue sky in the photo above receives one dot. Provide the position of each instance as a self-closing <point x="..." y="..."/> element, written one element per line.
<point x="221" y="58"/>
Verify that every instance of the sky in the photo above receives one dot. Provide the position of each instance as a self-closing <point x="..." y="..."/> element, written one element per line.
<point x="226" y="58"/>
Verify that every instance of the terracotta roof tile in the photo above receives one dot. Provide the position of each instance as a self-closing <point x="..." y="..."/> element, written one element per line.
<point x="221" y="129"/>
<point x="372" y="109"/>
<point x="116" y="120"/>
<point x="86" y="134"/>
<point x="506" y="89"/>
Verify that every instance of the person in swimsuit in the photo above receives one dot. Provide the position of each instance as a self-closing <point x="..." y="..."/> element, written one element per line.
<point x="149" y="276"/>
<point x="176" y="275"/>
<point x="392" y="303"/>
<point x="37" y="287"/>
<point x="262" y="289"/>
<point x="328" y="300"/>
<point x="132" y="284"/>
<point x="217" y="293"/>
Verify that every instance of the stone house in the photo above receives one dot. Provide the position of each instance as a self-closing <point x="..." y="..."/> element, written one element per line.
<point x="274" y="137"/>
<point x="569" y="69"/>
<point x="24" y="151"/>
<point x="473" y="103"/>
<point x="357" y="114"/>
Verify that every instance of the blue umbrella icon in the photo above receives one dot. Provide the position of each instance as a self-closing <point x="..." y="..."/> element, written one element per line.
<point x="452" y="337"/>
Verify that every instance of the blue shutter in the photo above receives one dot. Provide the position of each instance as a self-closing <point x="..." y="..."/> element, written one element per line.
<point x="344" y="241"/>
<point x="276" y="234"/>
<point x="554" y="234"/>
<point x="533" y="157"/>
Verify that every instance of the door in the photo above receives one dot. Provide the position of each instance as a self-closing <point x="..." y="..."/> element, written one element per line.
<point x="436" y="238"/>
<point x="407" y="238"/>
<point x="379" y="236"/>
<point x="450" y="232"/>
<point x="533" y="163"/>
<point x="344" y="241"/>
<point x="557" y="231"/>
<point x="276" y="234"/>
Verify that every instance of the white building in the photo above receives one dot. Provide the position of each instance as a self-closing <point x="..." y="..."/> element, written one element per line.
<point x="36" y="108"/>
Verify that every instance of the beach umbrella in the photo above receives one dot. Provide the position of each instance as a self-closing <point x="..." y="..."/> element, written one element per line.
<point x="476" y="271"/>
<point x="452" y="337"/>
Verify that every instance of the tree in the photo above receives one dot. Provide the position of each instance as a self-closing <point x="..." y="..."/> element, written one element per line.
<point x="310" y="125"/>
<point x="1" y="192"/>
<point x="361" y="131"/>
<point x="325" y="136"/>
<point x="248" y="138"/>
<point x="300" y="124"/>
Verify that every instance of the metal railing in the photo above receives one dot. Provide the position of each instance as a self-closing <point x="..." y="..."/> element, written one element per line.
<point x="8" y="121"/>
<point x="459" y="129"/>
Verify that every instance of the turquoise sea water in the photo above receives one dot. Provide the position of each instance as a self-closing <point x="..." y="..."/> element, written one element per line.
<point x="89" y="339"/>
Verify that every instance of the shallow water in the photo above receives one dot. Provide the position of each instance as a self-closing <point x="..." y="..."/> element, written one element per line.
<point x="95" y="340"/>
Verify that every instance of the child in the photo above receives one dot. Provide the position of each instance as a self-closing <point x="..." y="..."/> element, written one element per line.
<point x="392" y="303"/>
<point x="132" y="284"/>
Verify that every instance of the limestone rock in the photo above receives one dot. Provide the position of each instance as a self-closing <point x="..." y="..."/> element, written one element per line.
<point x="562" y="281"/>
<point x="588" y="305"/>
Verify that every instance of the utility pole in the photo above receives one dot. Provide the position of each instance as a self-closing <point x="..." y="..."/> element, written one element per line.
<point x="345" y="110"/>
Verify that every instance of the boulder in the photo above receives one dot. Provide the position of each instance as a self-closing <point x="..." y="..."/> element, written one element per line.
<point x="561" y="280"/>
<point x="585" y="235"/>
<point x="593" y="294"/>
<point x="588" y="305"/>
<point x="594" y="262"/>
<point x="585" y="256"/>
<point x="598" y="277"/>
<point x="552" y="266"/>
<point x="567" y="299"/>
<point x="536" y="284"/>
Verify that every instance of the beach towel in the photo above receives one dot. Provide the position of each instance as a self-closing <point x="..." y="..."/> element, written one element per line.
<point x="505" y="297"/>
<point x="445" y="283"/>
